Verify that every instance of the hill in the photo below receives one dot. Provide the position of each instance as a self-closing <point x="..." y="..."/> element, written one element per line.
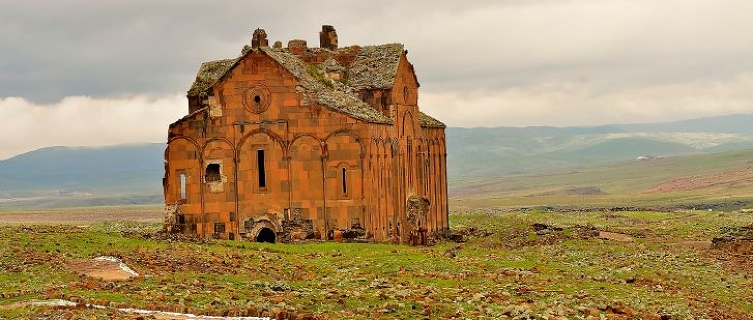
<point x="70" y="176"/>
<point x="131" y="174"/>
<point x="478" y="152"/>
<point x="733" y="124"/>
<point x="725" y="179"/>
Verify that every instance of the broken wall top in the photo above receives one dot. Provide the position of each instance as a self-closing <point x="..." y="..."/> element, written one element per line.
<point x="330" y="77"/>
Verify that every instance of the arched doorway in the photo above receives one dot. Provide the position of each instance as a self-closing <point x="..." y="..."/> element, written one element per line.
<point x="262" y="231"/>
<point x="266" y="235"/>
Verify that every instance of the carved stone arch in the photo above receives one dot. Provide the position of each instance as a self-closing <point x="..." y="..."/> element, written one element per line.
<point x="262" y="230"/>
<point x="182" y="171"/>
<point x="345" y="164"/>
<point x="306" y="140"/>
<point x="345" y="150"/>
<point x="408" y="121"/>
<point x="172" y="142"/>
<point x="379" y="147"/>
<point x="275" y="137"/>
<point x="213" y="140"/>
<point x="355" y="137"/>
<point x="307" y="177"/>
<point x="305" y="135"/>
<point x="344" y="168"/>
<point x="192" y="141"/>
<point x="262" y="167"/>
<point x="421" y="145"/>
<point x="375" y="147"/>
<point x="218" y="168"/>
<point x="394" y="145"/>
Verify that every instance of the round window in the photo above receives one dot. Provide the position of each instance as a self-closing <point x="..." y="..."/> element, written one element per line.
<point x="256" y="98"/>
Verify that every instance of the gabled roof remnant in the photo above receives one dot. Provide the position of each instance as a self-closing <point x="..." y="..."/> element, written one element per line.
<point x="208" y="74"/>
<point x="317" y="87"/>
<point x="427" y="121"/>
<point x="370" y="67"/>
<point x="375" y="67"/>
<point x="189" y="116"/>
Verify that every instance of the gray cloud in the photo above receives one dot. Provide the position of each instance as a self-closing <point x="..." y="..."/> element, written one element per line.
<point x="125" y="47"/>
<point x="568" y="62"/>
<point x="84" y="121"/>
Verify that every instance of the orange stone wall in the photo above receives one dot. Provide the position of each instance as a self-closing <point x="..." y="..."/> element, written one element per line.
<point x="319" y="165"/>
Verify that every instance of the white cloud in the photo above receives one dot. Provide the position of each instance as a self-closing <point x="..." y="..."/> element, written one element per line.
<point x="482" y="62"/>
<point x="86" y="121"/>
<point x="581" y="103"/>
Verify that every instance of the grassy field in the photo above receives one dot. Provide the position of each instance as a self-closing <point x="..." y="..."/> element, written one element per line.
<point x="625" y="241"/>
<point x="722" y="179"/>
<point x="517" y="265"/>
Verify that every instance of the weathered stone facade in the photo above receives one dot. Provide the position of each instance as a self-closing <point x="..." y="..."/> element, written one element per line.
<point x="298" y="142"/>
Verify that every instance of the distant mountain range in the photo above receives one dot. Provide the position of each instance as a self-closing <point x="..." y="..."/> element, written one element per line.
<point x="132" y="174"/>
<point x="475" y="152"/>
<point x="133" y="170"/>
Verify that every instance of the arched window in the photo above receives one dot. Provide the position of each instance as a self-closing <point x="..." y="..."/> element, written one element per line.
<point x="343" y="178"/>
<point x="182" y="186"/>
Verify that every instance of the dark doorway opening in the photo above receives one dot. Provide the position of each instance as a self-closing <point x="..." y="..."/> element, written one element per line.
<point x="266" y="235"/>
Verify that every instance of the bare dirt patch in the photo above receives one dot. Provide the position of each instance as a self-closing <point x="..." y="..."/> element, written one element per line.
<point x="700" y="245"/>
<point x="606" y="235"/>
<point x="83" y="215"/>
<point x="734" y="178"/>
<point x="621" y="237"/>
<point x="104" y="268"/>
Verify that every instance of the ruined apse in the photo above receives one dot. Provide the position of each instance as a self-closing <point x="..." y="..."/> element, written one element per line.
<point x="298" y="142"/>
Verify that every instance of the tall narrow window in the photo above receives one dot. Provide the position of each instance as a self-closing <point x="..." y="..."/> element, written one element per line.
<point x="182" y="186"/>
<point x="410" y="162"/>
<point x="426" y="178"/>
<point x="344" y="181"/>
<point x="260" y="167"/>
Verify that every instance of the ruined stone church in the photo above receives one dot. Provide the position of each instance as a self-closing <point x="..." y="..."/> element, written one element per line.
<point x="297" y="142"/>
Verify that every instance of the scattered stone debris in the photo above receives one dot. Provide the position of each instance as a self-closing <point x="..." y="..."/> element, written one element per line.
<point x="621" y="237"/>
<point x="280" y="286"/>
<point x="452" y="252"/>
<point x="355" y="234"/>
<point x="544" y="229"/>
<point x="169" y="237"/>
<point x="156" y="314"/>
<point x="738" y="240"/>
<point x="451" y="235"/>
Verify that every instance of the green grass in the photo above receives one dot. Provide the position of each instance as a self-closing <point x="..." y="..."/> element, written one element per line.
<point x="504" y="269"/>
<point x="627" y="184"/>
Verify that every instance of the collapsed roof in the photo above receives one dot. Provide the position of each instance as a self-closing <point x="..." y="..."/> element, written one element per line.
<point x="363" y="68"/>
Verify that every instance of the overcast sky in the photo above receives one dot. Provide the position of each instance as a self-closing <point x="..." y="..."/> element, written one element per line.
<point x="107" y="72"/>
